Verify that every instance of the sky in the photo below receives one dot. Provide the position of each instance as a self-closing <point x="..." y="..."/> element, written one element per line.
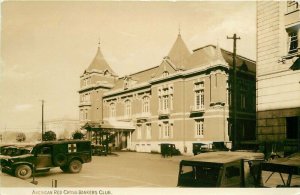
<point x="46" y="46"/>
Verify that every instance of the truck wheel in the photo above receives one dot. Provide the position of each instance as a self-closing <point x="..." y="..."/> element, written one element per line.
<point x="23" y="171"/>
<point x="75" y="166"/>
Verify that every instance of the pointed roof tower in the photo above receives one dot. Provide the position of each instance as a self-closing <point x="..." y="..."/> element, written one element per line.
<point x="179" y="52"/>
<point x="99" y="63"/>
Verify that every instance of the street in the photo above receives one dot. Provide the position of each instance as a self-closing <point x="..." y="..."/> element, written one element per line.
<point x="126" y="169"/>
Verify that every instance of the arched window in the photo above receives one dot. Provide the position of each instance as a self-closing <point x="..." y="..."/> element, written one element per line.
<point x="127" y="108"/>
<point x="112" y="110"/>
<point x="146" y="104"/>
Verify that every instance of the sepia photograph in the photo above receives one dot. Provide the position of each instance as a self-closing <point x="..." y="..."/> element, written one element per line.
<point x="149" y="97"/>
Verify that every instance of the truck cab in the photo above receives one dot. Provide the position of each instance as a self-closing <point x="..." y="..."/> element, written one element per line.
<point x="221" y="169"/>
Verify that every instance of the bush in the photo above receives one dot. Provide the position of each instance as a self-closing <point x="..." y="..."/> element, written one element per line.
<point x="77" y="135"/>
<point x="21" y="137"/>
<point x="49" y="136"/>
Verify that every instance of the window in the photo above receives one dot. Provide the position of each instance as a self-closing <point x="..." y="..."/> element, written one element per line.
<point x="292" y="127"/>
<point x="165" y="74"/>
<point x="148" y="131"/>
<point x="199" y="99"/>
<point x="146" y="104"/>
<point x="167" y="130"/>
<point x="199" y="127"/>
<point x="165" y="102"/>
<point x="243" y="101"/>
<point x="139" y="132"/>
<point x="293" y="42"/>
<point x="112" y="110"/>
<point x="199" y="96"/>
<point x="127" y="108"/>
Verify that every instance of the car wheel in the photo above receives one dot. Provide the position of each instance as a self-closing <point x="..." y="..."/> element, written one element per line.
<point x="23" y="171"/>
<point x="75" y="166"/>
<point x="64" y="168"/>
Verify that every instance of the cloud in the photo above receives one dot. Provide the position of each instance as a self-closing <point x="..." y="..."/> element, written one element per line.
<point x="22" y="107"/>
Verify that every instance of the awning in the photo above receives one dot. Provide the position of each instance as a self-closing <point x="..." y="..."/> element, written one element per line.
<point x="114" y="124"/>
<point x="109" y="125"/>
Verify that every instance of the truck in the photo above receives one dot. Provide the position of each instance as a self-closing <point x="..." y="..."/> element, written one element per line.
<point x="69" y="155"/>
<point x="221" y="169"/>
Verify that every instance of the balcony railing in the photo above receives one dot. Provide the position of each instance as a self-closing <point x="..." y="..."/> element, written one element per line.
<point x="85" y="103"/>
<point x="197" y="109"/>
<point x="143" y="115"/>
<point x="164" y="113"/>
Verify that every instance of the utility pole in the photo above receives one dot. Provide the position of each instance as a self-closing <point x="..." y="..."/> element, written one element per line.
<point x="234" y="93"/>
<point x="42" y="120"/>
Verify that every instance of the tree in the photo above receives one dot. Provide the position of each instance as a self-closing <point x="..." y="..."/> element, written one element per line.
<point x="49" y="136"/>
<point x="77" y="135"/>
<point x="21" y="137"/>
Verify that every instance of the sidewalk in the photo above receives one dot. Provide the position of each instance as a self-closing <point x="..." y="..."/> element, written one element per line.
<point x="11" y="181"/>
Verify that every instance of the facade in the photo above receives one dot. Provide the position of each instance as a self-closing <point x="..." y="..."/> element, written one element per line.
<point x="63" y="128"/>
<point x="278" y="72"/>
<point x="185" y="99"/>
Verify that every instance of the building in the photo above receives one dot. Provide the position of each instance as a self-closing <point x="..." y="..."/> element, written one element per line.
<point x="184" y="100"/>
<point x="278" y="73"/>
<point x="63" y="128"/>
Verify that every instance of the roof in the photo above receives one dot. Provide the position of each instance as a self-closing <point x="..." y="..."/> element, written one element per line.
<point x="179" y="52"/>
<point x="99" y="63"/>
<point x="210" y="53"/>
<point x="225" y="157"/>
<point x="61" y="142"/>
<point x="110" y="124"/>
<point x="283" y="165"/>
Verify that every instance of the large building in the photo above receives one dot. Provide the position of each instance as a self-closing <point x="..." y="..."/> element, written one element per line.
<point x="278" y="72"/>
<point x="184" y="100"/>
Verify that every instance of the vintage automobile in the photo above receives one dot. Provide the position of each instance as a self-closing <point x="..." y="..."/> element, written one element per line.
<point x="167" y="149"/>
<point x="99" y="150"/>
<point x="68" y="155"/>
<point x="289" y="165"/>
<point x="210" y="147"/>
<point x="221" y="169"/>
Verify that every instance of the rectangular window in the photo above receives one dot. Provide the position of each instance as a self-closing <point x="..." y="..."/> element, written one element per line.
<point x="148" y="131"/>
<point x="292" y="127"/>
<point x="199" y="127"/>
<point x="293" y="42"/>
<point x="199" y="99"/>
<point x="139" y="132"/>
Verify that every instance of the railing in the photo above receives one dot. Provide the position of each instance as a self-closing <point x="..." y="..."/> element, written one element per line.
<point x="197" y="108"/>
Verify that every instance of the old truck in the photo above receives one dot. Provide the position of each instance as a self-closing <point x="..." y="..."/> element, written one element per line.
<point x="69" y="155"/>
<point x="221" y="169"/>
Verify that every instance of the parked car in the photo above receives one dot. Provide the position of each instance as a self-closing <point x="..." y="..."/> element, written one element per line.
<point x="168" y="149"/>
<point x="221" y="169"/>
<point x="68" y="155"/>
<point x="209" y="147"/>
<point x="99" y="149"/>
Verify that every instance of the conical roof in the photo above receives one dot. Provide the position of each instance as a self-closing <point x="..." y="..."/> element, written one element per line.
<point x="99" y="63"/>
<point x="179" y="53"/>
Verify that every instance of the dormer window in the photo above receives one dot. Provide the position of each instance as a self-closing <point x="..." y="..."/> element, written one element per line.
<point x="293" y="42"/>
<point x="165" y="74"/>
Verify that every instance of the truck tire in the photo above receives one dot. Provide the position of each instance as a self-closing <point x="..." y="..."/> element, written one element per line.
<point x="23" y="171"/>
<point x="60" y="159"/>
<point x="75" y="166"/>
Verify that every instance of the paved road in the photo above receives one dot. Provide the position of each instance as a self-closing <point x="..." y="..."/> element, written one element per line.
<point x="126" y="169"/>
